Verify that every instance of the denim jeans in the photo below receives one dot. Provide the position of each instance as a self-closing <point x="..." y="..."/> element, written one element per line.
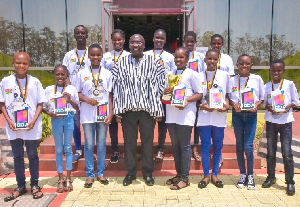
<point x="285" y="130"/>
<point x="217" y="135"/>
<point x="17" y="147"/>
<point x="76" y="132"/>
<point x="244" y="124"/>
<point x="89" y="136"/>
<point x="62" y="130"/>
<point x="182" y="152"/>
<point x="113" y="132"/>
<point x="162" y="131"/>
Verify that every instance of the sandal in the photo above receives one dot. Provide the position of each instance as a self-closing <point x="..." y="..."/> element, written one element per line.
<point x="21" y="191"/>
<point x="68" y="185"/>
<point x="196" y="156"/>
<point x="202" y="183"/>
<point x="172" y="180"/>
<point x="177" y="186"/>
<point x="60" y="186"/>
<point x="37" y="190"/>
<point x="104" y="182"/>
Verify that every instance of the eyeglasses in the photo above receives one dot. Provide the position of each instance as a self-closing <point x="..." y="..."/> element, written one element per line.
<point x="247" y="64"/>
<point x="136" y="42"/>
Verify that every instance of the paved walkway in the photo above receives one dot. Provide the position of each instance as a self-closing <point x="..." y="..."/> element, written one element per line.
<point x="138" y="194"/>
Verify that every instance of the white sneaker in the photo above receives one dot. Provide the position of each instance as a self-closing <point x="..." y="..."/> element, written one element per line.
<point x="242" y="181"/>
<point x="251" y="183"/>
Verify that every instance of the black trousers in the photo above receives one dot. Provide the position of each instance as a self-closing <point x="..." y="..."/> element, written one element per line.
<point x="133" y="121"/>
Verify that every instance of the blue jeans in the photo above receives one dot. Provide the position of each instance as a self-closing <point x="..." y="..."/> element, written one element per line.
<point x="285" y="130"/>
<point x="76" y="132"/>
<point x="217" y="135"/>
<point x="89" y="136"/>
<point x="62" y="130"/>
<point x="19" y="165"/>
<point x="244" y="124"/>
<point x="182" y="152"/>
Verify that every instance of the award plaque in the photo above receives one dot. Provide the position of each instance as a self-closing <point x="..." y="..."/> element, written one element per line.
<point x="216" y="98"/>
<point x="278" y="100"/>
<point x="101" y="112"/>
<point x="193" y="65"/>
<point x="247" y="99"/>
<point x="21" y="118"/>
<point x="172" y="81"/>
<point x="60" y="105"/>
<point x="178" y="96"/>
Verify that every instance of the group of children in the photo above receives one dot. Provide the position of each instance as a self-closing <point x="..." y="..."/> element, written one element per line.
<point x="84" y="82"/>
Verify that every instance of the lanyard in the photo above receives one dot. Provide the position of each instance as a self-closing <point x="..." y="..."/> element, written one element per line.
<point x="209" y="85"/>
<point x="55" y="89"/>
<point x="180" y="76"/>
<point x="24" y="96"/>
<point x="96" y="80"/>
<point x="280" y="85"/>
<point x="116" y="60"/>
<point x="218" y="65"/>
<point x="80" y="59"/>
<point x="239" y="81"/>
<point x="159" y="53"/>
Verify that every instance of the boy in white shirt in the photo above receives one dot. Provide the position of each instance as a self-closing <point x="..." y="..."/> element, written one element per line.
<point x="21" y="101"/>
<point x="280" y="122"/>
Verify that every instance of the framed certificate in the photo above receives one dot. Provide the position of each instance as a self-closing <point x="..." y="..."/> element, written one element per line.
<point x="21" y="118"/>
<point x="60" y="104"/>
<point x="216" y="98"/>
<point x="101" y="112"/>
<point x="247" y="99"/>
<point x="278" y="100"/>
<point x="178" y="96"/>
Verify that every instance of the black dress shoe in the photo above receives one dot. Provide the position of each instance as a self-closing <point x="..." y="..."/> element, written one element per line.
<point x="290" y="189"/>
<point x="268" y="183"/>
<point x="128" y="180"/>
<point x="149" y="180"/>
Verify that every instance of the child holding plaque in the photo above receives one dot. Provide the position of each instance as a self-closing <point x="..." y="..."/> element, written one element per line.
<point x="61" y="105"/>
<point x="180" y="119"/>
<point x="167" y="60"/>
<point x="280" y="94"/>
<point x="108" y="61"/>
<point x="21" y="100"/>
<point x="247" y="93"/>
<point x="212" y="116"/>
<point x="196" y="63"/>
<point x="94" y="91"/>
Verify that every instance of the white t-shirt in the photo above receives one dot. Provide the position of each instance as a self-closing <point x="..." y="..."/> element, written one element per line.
<point x="71" y="60"/>
<point x="49" y="92"/>
<point x="290" y="96"/>
<point x="85" y="87"/>
<point x="226" y="64"/>
<point x="108" y="59"/>
<point x="191" y="80"/>
<point x="198" y="59"/>
<point x="254" y="82"/>
<point x="10" y="92"/>
<point x="214" y="118"/>
<point x="166" y="59"/>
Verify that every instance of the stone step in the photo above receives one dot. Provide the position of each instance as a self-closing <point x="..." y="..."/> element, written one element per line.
<point x="47" y="163"/>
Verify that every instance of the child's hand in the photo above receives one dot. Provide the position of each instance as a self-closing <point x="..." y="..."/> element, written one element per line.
<point x="91" y="101"/>
<point x="168" y="90"/>
<point x="30" y="125"/>
<point x="67" y="95"/>
<point x="205" y="107"/>
<point x="269" y="107"/>
<point x="108" y="119"/>
<point x="287" y="108"/>
<point x="253" y="110"/>
<point x="183" y="106"/>
<point x="53" y="115"/>
<point x="11" y="125"/>
<point x="224" y="109"/>
<point x="237" y="107"/>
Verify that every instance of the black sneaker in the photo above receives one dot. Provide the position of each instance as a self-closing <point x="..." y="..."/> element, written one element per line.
<point x="114" y="157"/>
<point x="242" y="181"/>
<point x="251" y="183"/>
<point x="76" y="156"/>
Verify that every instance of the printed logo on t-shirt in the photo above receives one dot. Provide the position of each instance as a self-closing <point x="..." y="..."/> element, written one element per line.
<point x="73" y="60"/>
<point x="234" y="89"/>
<point x="8" y="91"/>
<point x="51" y="100"/>
<point x="269" y="95"/>
<point x="108" y="58"/>
<point x="203" y="83"/>
<point x="87" y="78"/>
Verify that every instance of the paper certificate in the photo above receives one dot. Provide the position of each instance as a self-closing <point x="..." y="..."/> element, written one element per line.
<point x="101" y="112"/>
<point x="216" y="98"/>
<point x="247" y="99"/>
<point x="278" y="100"/>
<point x="178" y="96"/>
<point x="60" y="104"/>
<point x="21" y="118"/>
<point x="194" y="66"/>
